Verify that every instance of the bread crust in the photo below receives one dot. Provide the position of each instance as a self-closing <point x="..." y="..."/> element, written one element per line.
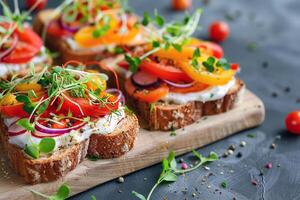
<point x="57" y="165"/>
<point x="166" y="116"/>
<point x="117" y="143"/>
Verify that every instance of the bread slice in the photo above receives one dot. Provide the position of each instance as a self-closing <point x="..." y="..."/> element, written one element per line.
<point x="167" y="116"/>
<point x="117" y="143"/>
<point x="57" y="165"/>
<point x="62" y="47"/>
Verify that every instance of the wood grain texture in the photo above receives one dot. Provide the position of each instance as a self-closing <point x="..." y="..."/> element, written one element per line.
<point x="149" y="149"/>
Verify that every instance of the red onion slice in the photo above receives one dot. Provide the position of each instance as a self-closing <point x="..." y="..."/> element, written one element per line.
<point x="179" y="85"/>
<point x="39" y="134"/>
<point x="15" y="130"/>
<point x="119" y="93"/>
<point x="41" y="128"/>
<point x="13" y="45"/>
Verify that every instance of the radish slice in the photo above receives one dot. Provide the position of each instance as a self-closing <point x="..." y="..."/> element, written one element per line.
<point x="41" y="128"/>
<point x="143" y="79"/>
<point x="13" y="44"/>
<point x="15" y="130"/>
<point x="118" y="93"/>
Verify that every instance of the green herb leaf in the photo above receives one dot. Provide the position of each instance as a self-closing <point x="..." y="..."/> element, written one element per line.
<point x="93" y="197"/>
<point x="25" y="123"/>
<point x="146" y="20"/>
<point x="155" y="44"/>
<point x="209" y="64"/>
<point x="133" y="63"/>
<point x="63" y="192"/>
<point x="170" y="177"/>
<point x="223" y="63"/>
<point x="159" y="20"/>
<point x="118" y="50"/>
<point x="138" y="195"/>
<point x="172" y="160"/>
<point x="224" y="184"/>
<point x="47" y="145"/>
<point x="32" y="150"/>
<point x="178" y="47"/>
<point x="93" y="158"/>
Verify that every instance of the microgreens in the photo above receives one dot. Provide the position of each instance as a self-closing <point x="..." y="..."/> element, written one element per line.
<point x="209" y="64"/>
<point x="170" y="172"/>
<point x="46" y="145"/>
<point x="62" y="193"/>
<point x="174" y="35"/>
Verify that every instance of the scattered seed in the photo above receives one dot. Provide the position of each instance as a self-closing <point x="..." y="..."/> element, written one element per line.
<point x="265" y="64"/>
<point x="225" y="154"/>
<point x="261" y="174"/>
<point x="243" y="144"/>
<point x="278" y="137"/>
<point x="232" y="147"/>
<point x="287" y="89"/>
<point x="194" y="194"/>
<point x="273" y="146"/>
<point x="274" y="94"/>
<point x="278" y="165"/>
<point x="230" y="152"/>
<point x="206" y="168"/>
<point x="298" y="100"/>
<point x="269" y="165"/>
<point x="239" y="155"/>
<point x="191" y="165"/>
<point x="120" y="191"/>
<point x="251" y="135"/>
<point x="181" y="160"/>
<point x="209" y="186"/>
<point x="221" y="173"/>
<point x="231" y="171"/>
<point x="251" y="46"/>
<point x="224" y="184"/>
<point x="121" y="179"/>
<point x="253" y="182"/>
<point x="145" y="179"/>
<point x="184" y="166"/>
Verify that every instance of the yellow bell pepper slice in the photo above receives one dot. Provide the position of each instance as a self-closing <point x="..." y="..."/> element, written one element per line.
<point x="24" y="87"/>
<point x="218" y="77"/>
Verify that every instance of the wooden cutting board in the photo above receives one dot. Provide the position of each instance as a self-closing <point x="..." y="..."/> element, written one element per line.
<point x="149" y="149"/>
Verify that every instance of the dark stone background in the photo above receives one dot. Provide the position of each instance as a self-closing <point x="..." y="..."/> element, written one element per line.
<point x="274" y="26"/>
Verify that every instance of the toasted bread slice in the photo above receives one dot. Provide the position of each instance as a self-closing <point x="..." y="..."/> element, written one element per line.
<point x="167" y="116"/>
<point x="61" y="162"/>
<point x="62" y="47"/>
<point x="44" y="169"/>
<point x="117" y="143"/>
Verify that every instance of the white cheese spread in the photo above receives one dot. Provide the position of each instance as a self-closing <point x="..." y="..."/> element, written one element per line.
<point x="210" y="94"/>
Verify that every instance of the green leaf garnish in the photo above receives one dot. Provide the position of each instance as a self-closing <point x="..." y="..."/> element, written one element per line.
<point x="25" y="123"/>
<point x="170" y="172"/>
<point x="32" y="150"/>
<point x="209" y="64"/>
<point x="47" y="145"/>
<point x="146" y="20"/>
<point x="133" y="63"/>
<point x="159" y="20"/>
<point x="62" y="193"/>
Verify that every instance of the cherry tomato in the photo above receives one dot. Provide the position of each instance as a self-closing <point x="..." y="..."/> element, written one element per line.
<point x="292" y="122"/>
<point x="40" y="6"/>
<point x="149" y="96"/>
<point x="235" y="66"/>
<point x="218" y="31"/>
<point x="181" y="4"/>
<point x="82" y="107"/>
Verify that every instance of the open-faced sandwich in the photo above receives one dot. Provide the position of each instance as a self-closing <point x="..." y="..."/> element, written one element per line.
<point x="176" y="79"/>
<point x="88" y="30"/>
<point x="52" y="119"/>
<point x="20" y="46"/>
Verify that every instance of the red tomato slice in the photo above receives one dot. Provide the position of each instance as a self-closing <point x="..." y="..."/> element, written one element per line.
<point x="216" y="49"/>
<point x="23" y="53"/>
<point x="149" y="96"/>
<point x="29" y="36"/>
<point x="164" y="71"/>
<point x="86" y="109"/>
<point x="13" y="111"/>
<point x="56" y="30"/>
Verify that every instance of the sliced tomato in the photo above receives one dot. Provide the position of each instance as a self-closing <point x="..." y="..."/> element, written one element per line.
<point x="56" y="30"/>
<point x="29" y="36"/>
<point x="209" y="48"/>
<point x="167" y="72"/>
<point x="80" y="107"/>
<point x="194" y="88"/>
<point x="23" y="53"/>
<point x="13" y="111"/>
<point x="149" y="96"/>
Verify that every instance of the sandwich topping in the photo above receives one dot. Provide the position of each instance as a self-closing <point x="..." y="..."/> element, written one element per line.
<point x="95" y="25"/>
<point x="60" y="104"/>
<point x="19" y="45"/>
<point x="177" y="68"/>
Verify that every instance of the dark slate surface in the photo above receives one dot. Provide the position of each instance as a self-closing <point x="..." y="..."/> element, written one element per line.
<point x="274" y="25"/>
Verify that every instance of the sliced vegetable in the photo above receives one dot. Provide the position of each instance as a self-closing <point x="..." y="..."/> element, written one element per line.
<point x="55" y="29"/>
<point x="23" y="87"/>
<point x="195" y="87"/>
<point x="181" y="4"/>
<point x="9" y="46"/>
<point x="144" y="79"/>
<point x="166" y="72"/>
<point x="146" y="95"/>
